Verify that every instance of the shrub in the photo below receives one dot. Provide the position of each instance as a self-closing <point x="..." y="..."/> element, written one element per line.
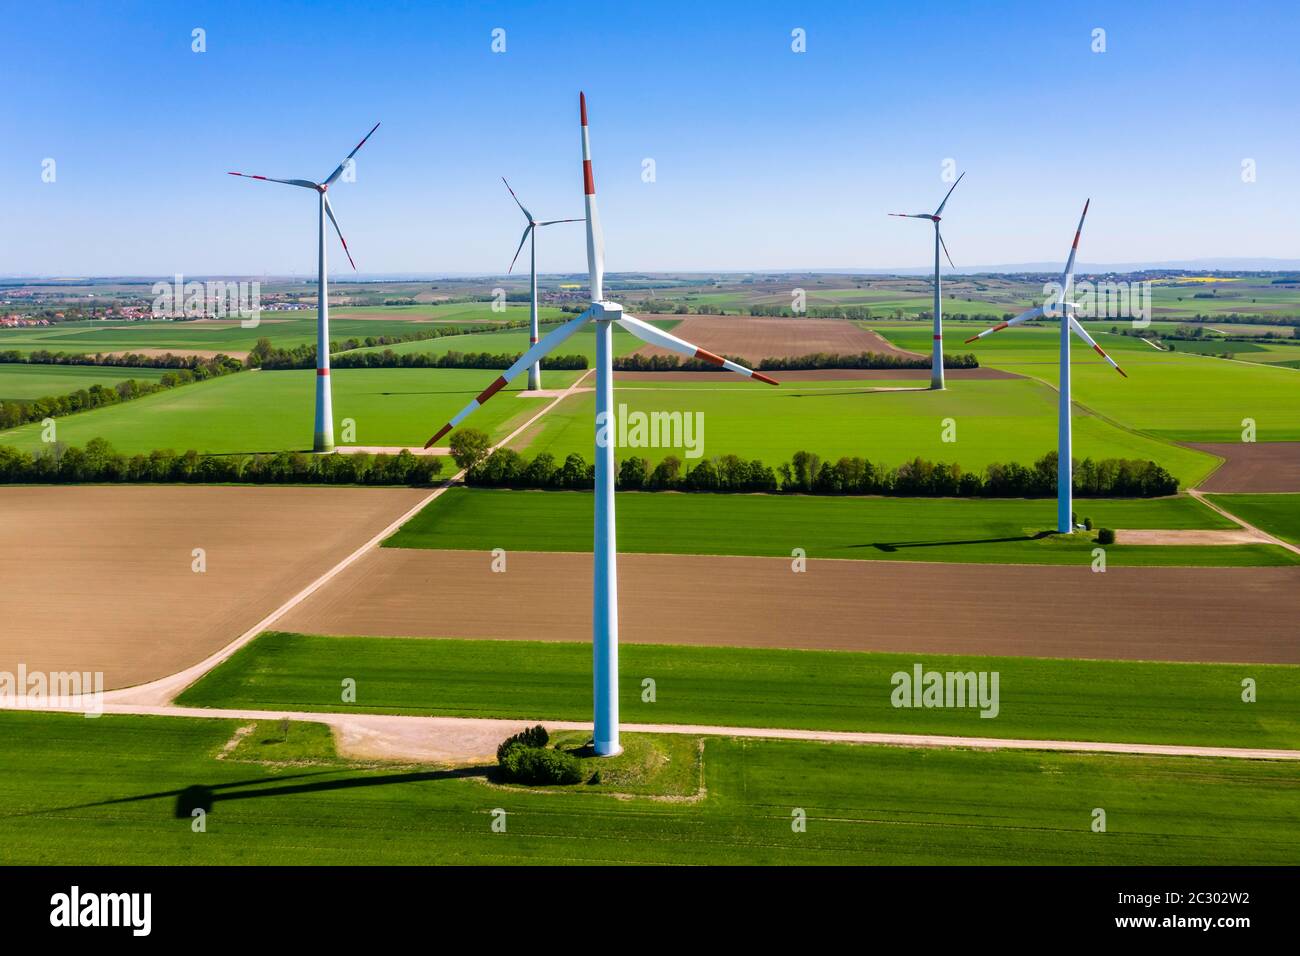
<point x="537" y="765"/>
<point x="1087" y="524"/>
<point x="529" y="737"/>
<point x="1105" y="536"/>
<point x="524" y="758"/>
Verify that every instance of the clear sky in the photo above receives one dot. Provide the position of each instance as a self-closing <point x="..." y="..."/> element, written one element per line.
<point x="764" y="158"/>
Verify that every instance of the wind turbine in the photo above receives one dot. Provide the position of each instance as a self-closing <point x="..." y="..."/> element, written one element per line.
<point x="534" y="370"/>
<point x="936" y="354"/>
<point x="324" y="436"/>
<point x="1060" y="308"/>
<point x="603" y="314"/>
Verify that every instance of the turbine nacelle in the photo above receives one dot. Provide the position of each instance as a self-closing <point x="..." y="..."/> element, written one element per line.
<point x="1054" y="310"/>
<point x="606" y="311"/>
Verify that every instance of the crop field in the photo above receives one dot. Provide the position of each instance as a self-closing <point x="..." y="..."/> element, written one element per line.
<point x="27" y="382"/>
<point x="1125" y="701"/>
<point x="127" y="600"/>
<point x="1168" y="395"/>
<point x="887" y="423"/>
<point x="1278" y="514"/>
<point x="284" y="329"/>
<point x="582" y="342"/>
<point x="1011" y="531"/>
<point x="262" y="411"/>
<point x="118" y="789"/>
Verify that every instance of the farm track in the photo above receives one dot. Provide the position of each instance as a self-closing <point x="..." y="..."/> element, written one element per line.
<point x="473" y="740"/>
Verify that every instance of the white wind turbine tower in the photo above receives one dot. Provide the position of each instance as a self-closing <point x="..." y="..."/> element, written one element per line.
<point x="534" y="370"/>
<point x="936" y="347"/>
<point x="603" y="314"/>
<point x="1065" y="311"/>
<point x="324" y="435"/>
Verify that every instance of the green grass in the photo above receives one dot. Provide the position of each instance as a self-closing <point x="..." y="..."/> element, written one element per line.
<point x="995" y="530"/>
<point x="1172" y="395"/>
<point x="1279" y="515"/>
<point x="284" y="329"/>
<point x="995" y="421"/>
<point x="106" y="792"/>
<point x="1138" y="702"/>
<point x="582" y="342"/>
<point x="26" y="382"/>
<point x="271" y="411"/>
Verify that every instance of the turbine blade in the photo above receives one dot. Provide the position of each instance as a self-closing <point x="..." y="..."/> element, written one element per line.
<point x="526" y="213"/>
<point x="648" y="333"/>
<point x="522" y="240"/>
<point x="911" y="215"/>
<point x="945" y="198"/>
<point x="1022" y="317"/>
<point x="944" y="244"/>
<point x="1067" y="278"/>
<point x="551" y="222"/>
<point x="306" y="184"/>
<point x="339" y="171"/>
<point x="330" y="210"/>
<point x="533" y="355"/>
<point x="1080" y="331"/>
<point x="595" y="237"/>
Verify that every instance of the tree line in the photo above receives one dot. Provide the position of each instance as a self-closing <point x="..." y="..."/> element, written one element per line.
<point x="17" y="412"/>
<point x="817" y="360"/>
<point x="99" y="462"/>
<point x="807" y="473"/>
<point x="194" y="363"/>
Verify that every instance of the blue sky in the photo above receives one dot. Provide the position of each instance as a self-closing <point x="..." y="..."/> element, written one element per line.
<point x="765" y="158"/>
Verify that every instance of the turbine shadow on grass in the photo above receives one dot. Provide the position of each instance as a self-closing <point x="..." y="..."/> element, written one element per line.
<point x="896" y="545"/>
<point x="201" y="796"/>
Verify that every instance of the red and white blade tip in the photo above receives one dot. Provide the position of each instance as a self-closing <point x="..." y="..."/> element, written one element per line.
<point x="582" y="106"/>
<point x="434" y="440"/>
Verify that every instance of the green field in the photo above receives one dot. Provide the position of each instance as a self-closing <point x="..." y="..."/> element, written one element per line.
<point x="284" y="329"/>
<point x="1279" y="515"/>
<point x="981" y="530"/>
<point x="118" y="790"/>
<point x="1123" y="701"/>
<point x="582" y="342"/>
<point x="262" y="411"/>
<point x="26" y="382"/>
<point x="995" y="421"/>
<point x="1172" y="395"/>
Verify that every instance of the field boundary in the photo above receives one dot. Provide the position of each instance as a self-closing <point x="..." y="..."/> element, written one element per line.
<point x="165" y="689"/>
<point x="1263" y="535"/>
<point x="472" y="739"/>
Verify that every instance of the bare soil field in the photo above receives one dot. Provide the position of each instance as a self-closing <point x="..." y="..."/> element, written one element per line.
<point x="199" y="353"/>
<point x="822" y="375"/>
<point x="1253" y="466"/>
<point x="756" y="338"/>
<point x="1191" y="536"/>
<point x="1177" y="614"/>
<point x="99" y="578"/>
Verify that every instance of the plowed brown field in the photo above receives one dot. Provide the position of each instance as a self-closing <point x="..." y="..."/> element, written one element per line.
<point x="1176" y="614"/>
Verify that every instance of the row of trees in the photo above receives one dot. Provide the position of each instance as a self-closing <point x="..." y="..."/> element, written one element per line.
<point x="390" y="359"/>
<point x="99" y="462"/>
<point x="201" y="367"/>
<point x="17" y="412"/>
<point x="816" y="360"/>
<point x="807" y="473"/>
<point x="265" y="355"/>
